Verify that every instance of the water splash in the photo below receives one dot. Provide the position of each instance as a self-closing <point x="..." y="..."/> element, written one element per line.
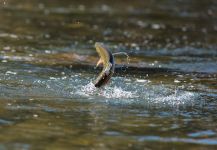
<point x="118" y="92"/>
<point x="123" y="53"/>
<point x="142" y="93"/>
<point x="121" y="91"/>
<point x="176" y="99"/>
<point x="87" y="90"/>
<point x="108" y="92"/>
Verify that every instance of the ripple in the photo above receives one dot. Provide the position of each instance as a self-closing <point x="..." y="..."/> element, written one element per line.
<point x="5" y="122"/>
<point x="13" y="36"/>
<point x="208" y="141"/>
<point x="202" y="133"/>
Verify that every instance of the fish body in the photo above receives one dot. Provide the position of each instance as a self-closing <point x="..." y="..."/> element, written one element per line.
<point x="107" y="59"/>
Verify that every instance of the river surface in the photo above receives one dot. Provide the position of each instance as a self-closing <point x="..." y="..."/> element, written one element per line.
<point x="165" y="97"/>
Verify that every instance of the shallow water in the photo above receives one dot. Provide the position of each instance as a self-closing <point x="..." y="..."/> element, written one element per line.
<point x="165" y="98"/>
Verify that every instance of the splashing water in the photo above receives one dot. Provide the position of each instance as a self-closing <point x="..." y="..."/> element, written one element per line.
<point x="118" y="92"/>
<point x="123" y="53"/>
<point x="108" y="92"/>
<point x="122" y="90"/>
<point x="140" y="94"/>
<point x="87" y="90"/>
<point x="176" y="99"/>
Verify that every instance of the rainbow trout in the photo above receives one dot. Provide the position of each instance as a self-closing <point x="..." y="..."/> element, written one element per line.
<point x="107" y="59"/>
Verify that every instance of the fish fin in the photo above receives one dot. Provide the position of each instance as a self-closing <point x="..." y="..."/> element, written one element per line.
<point x="99" y="62"/>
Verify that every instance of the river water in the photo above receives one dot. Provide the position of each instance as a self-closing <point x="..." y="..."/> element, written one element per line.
<point x="164" y="98"/>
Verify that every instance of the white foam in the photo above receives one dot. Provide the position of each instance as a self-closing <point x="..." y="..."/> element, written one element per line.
<point x="108" y="92"/>
<point x="176" y="99"/>
<point x="87" y="90"/>
<point x="118" y="92"/>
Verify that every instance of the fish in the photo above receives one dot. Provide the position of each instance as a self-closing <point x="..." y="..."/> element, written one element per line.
<point x="107" y="59"/>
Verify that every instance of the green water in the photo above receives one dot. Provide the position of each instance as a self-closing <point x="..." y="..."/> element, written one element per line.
<point x="166" y="97"/>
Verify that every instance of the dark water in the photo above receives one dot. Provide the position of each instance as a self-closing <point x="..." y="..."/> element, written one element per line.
<point x="165" y="99"/>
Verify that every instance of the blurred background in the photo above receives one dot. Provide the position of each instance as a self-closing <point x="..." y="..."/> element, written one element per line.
<point x="150" y="24"/>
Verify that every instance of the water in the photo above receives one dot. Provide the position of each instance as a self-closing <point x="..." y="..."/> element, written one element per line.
<point x="166" y="97"/>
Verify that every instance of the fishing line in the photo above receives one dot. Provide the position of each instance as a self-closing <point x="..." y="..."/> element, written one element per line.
<point x="128" y="59"/>
<point x="123" y="53"/>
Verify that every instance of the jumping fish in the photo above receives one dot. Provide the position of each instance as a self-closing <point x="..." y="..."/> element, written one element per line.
<point x="107" y="59"/>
